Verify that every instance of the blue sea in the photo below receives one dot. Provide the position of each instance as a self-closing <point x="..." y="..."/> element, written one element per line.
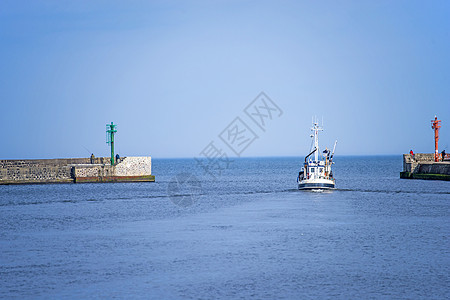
<point x="243" y="232"/>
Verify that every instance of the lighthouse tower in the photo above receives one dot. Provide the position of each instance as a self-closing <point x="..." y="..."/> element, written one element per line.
<point x="436" y="124"/>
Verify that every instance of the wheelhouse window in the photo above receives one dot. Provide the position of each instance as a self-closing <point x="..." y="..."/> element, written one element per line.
<point x="311" y="170"/>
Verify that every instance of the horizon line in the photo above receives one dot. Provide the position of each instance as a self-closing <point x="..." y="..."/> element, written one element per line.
<point x="233" y="157"/>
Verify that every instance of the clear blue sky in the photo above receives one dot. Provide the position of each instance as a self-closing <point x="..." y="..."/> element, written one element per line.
<point x="174" y="74"/>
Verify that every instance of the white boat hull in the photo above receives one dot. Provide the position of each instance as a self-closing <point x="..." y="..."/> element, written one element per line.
<point x="316" y="184"/>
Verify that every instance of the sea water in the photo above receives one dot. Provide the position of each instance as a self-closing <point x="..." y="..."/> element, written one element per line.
<point x="239" y="232"/>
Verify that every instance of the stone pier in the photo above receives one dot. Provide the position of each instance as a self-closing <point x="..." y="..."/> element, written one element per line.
<point x="75" y="170"/>
<point x="423" y="166"/>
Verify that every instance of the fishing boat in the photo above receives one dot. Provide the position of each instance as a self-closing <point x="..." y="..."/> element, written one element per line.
<point x="316" y="173"/>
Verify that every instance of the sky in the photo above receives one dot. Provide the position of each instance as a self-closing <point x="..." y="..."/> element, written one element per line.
<point x="175" y="75"/>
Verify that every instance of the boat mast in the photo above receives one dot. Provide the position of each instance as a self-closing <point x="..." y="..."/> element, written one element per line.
<point x="316" y="129"/>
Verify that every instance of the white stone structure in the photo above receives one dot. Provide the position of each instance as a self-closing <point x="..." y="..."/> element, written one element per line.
<point x="134" y="166"/>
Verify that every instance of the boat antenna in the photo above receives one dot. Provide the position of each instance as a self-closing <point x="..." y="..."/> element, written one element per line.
<point x="334" y="148"/>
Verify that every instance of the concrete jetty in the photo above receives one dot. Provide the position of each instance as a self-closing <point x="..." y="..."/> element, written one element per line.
<point x="76" y="170"/>
<point x="423" y="166"/>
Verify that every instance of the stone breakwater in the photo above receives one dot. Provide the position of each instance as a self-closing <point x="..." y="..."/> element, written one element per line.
<point x="75" y="170"/>
<point x="423" y="166"/>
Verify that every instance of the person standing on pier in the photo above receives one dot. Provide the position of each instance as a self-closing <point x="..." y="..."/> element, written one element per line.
<point x="443" y="154"/>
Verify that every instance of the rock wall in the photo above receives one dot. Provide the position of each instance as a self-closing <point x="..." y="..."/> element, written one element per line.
<point x="409" y="164"/>
<point x="37" y="173"/>
<point x="128" y="166"/>
<point x="134" y="166"/>
<point x="5" y="163"/>
<point x="434" y="168"/>
<point x="84" y="171"/>
<point x="74" y="170"/>
<point x="423" y="156"/>
<point x="423" y="163"/>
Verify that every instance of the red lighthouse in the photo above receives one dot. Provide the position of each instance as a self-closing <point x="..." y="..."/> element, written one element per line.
<point x="436" y="124"/>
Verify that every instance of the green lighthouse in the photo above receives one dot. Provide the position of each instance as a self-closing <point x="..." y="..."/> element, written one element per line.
<point x="110" y="131"/>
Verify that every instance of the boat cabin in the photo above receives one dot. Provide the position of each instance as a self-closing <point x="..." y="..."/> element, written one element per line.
<point x="315" y="170"/>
